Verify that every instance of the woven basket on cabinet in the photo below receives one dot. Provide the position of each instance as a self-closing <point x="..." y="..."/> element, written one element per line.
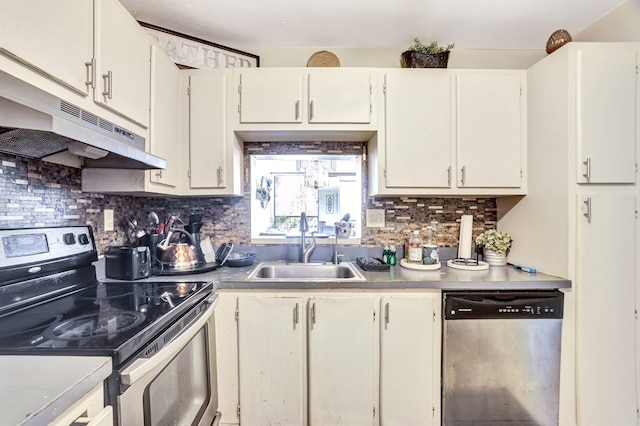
<point x="557" y="40"/>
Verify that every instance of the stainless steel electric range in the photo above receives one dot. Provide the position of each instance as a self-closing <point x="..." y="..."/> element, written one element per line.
<point x="159" y="334"/>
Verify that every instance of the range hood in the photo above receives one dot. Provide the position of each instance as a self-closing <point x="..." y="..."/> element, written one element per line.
<point x="36" y="124"/>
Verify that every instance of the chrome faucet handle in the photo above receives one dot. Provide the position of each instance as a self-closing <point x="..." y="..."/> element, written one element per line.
<point x="304" y="225"/>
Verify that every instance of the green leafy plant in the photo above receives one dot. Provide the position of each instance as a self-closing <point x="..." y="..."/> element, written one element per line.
<point x="430" y="48"/>
<point x="495" y="240"/>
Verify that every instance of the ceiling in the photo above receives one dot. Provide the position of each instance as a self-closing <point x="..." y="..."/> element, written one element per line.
<point x="470" y="24"/>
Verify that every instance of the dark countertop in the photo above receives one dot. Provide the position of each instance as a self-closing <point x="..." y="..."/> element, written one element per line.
<point x="398" y="277"/>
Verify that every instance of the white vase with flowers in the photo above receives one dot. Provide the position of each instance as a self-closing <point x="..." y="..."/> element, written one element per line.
<point x="495" y="245"/>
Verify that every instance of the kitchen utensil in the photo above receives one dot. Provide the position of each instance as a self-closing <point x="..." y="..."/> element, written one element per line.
<point x="223" y="252"/>
<point x="242" y="258"/>
<point x="177" y="255"/>
<point x="207" y="250"/>
<point x="153" y="220"/>
<point x="127" y="263"/>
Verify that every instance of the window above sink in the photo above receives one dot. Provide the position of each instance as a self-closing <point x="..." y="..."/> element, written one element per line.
<point x="325" y="187"/>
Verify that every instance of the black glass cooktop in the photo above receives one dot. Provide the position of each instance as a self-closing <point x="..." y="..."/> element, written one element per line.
<point x="115" y="318"/>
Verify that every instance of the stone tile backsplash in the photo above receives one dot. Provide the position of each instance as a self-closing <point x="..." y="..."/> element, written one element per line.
<point x="37" y="194"/>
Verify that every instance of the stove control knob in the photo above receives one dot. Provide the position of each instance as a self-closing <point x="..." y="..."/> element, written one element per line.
<point x="83" y="239"/>
<point x="69" y="239"/>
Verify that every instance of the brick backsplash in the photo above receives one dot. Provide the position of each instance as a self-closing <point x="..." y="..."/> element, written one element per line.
<point x="36" y="194"/>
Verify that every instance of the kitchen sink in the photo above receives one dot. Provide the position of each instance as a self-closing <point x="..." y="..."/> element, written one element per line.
<point x="292" y="272"/>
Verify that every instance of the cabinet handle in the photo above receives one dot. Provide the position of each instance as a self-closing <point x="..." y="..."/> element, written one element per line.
<point x="463" y="173"/>
<point x="108" y="79"/>
<point x="313" y="313"/>
<point x="220" y="175"/>
<point x="449" y="176"/>
<point x="587" y="173"/>
<point x="386" y="313"/>
<point x="587" y="203"/>
<point x="296" y="317"/>
<point x="159" y="173"/>
<point x="91" y="73"/>
<point x="310" y="110"/>
<point x="297" y="109"/>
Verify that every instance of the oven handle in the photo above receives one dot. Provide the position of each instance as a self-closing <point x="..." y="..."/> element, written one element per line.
<point x="216" y="418"/>
<point x="142" y="366"/>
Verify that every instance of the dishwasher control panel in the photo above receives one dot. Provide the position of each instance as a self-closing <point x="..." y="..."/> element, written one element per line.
<point x="502" y="305"/>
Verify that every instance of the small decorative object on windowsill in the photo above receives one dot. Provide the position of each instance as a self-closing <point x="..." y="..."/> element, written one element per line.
<point x="557" y="40"/>
<point x="496" y="244"/>
<point x="420" y="55"/>
<point x="263" y="192"/>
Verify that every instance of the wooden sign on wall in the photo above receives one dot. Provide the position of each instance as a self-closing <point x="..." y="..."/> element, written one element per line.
<point x="191" y="52"/>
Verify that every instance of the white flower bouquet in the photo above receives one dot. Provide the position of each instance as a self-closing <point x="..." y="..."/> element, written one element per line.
<point x="495" y="240"/>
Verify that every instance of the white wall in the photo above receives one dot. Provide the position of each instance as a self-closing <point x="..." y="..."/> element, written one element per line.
<point x="390" y="58"/>
<point x="622" y="24"/>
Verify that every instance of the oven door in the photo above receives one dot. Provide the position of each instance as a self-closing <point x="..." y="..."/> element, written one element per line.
<point x="177" y="385"/>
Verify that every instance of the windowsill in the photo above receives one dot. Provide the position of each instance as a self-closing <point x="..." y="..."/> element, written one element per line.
<point x="277" y="240"/>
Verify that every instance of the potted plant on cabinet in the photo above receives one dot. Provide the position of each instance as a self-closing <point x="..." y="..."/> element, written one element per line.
<point x="430" y="55"/>
<point x="495" y="244"/>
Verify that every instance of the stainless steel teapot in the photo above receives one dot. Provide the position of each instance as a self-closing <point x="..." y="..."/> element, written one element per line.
<point x="178" y="255"/>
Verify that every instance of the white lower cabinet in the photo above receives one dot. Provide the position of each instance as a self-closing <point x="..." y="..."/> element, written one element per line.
<point x="89" y="410"/>
<point x="271" y="351"/>
<point x="328" y="358"/>
<point x="409" y="360"/>
<point x="341" y="360"/>
<point x="605" y="310"/>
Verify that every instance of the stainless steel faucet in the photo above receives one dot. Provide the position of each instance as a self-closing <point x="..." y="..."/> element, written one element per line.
<point x="305" y="252"/>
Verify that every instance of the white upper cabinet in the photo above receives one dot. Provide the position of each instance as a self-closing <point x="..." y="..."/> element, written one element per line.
<point x="451" y="132"/>
<point x="207" y="131"/>
<point x="339" y="97"/>
<point x="271" y="97"/>
<point x="164" y="136"/>
<point x="94" y="49"/>
<point x="606" y="114"/>
<point x="213" y="160"/>
<point x="490" y="129"/>
<point x="276" y="100"/>
<point x="418" y="129"/>
<point x="123" y="62"/>
<point x="54" y="43"/>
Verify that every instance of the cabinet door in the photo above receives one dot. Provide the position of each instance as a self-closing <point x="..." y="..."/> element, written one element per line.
<point x="271" y="360"/>
<point x="207" y="130"/>
<point x="340" y="97"/>
<point x="123" y="61"/>
<point x="606" y="115"/>
<point x="489" y="130"/>
<point x="271" y="97"/>
<point x="605" y="310"/>
<point x="55" y="44"/>
<point x="418" y="129"/>
<point x="341" y="361"/>
<point x="163" y="133"/>
<point x="409" y="377"/>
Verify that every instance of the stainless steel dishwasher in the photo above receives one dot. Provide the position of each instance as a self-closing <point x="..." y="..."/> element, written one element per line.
<point x="501" y="358"/>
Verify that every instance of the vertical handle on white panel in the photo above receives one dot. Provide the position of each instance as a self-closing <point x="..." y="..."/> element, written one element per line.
<point x="91" y="73"/>
<point x="386" y="313"/>
<point x="587" y="214"/>
<point x="587" y="173"/>
<point x="108" y="80"/>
